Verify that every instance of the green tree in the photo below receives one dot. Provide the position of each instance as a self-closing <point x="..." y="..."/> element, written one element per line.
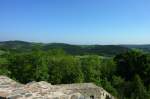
<point x="108" y="86"/>
<point x="108" y="68"/>
<point x="26" y="67"/>
<point x="4" y="66"/>
<point x="131" y="63"/>
<point x="91" y="68"/>
<point x="139" y="89"/>
<point x="40" y="64"/>
<point x="65" y="69"/>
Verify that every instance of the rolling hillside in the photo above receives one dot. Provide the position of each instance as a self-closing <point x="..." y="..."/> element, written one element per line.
<point x="141" y="47"/>
<point x="21" y="46"/>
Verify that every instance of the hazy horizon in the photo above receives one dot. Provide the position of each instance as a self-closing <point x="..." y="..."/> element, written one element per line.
<point x="81" y="22"/>
<point x="70" y="43"/>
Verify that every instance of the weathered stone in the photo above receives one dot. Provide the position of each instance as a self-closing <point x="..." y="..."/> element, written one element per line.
<point x="74" y="97"/>
<point x="14" y="97"/>
<point x="3" y="95"/>
<point x="9" y="89"/>
<point x="28" y="95"/>
<point x="4" y="86"/>
<point x="37" y="98"/>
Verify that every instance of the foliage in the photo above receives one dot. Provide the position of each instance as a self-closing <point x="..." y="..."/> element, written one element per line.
<point x="126" y="76"/>
<point x="131" y="63"/>
<point x="139" y="89"/>
<point x="91" y="68"/>
<point x="28" y="67"/>
<point x="64" y="69"/>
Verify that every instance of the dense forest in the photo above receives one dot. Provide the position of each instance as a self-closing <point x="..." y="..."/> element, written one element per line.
<point x="122" y="71"/>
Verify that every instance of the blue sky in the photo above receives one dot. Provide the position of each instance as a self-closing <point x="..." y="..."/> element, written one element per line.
<point x="76" y="21"/>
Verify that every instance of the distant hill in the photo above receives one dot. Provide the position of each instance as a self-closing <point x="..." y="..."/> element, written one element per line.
<point x="88" y="49"/>
<point x="141" y="47"/>
<point x="21" y="46"/>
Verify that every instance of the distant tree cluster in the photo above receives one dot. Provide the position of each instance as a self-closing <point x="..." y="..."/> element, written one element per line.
<point x="126" y="76"/>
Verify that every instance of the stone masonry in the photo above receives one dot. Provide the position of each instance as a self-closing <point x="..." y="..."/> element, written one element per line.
<point x="10" y="89"/>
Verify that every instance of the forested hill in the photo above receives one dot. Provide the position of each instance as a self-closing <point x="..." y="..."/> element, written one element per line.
<point x="145" y="47"/>
<point x="22" y="46"/>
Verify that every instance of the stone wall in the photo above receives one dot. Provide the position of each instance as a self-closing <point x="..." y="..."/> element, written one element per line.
<point x="9" y="89"/>
<point x="88" y="90"/>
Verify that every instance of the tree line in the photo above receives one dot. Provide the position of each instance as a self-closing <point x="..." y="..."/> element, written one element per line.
<point x="126" y="75"/>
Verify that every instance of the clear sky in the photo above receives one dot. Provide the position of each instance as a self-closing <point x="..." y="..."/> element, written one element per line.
<point x="76" y="21"/>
